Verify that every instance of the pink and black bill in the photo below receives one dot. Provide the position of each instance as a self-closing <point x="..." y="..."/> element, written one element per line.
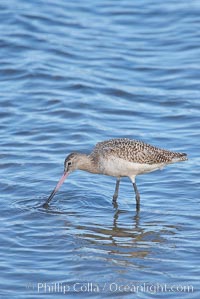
<point x="61" y="181"/>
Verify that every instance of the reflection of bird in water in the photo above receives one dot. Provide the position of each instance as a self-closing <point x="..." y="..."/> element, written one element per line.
<point x="120" y="158"/>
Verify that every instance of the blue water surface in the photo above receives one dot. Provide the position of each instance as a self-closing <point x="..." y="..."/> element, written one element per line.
<point x="73" y="73"/>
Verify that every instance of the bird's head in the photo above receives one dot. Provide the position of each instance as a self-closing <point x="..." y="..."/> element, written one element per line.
<point x="71" y="162"/>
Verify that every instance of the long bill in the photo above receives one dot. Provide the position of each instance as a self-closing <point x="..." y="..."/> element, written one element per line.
<point x="61" y="181"/>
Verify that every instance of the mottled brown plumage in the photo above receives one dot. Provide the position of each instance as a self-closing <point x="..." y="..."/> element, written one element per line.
<point x="136" y="151"/>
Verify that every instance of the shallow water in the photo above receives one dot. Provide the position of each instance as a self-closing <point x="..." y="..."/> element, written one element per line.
<point x="73" y="74"/>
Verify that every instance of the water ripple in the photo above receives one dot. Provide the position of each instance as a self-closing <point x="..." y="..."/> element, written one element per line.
<point x="75" y="74"/>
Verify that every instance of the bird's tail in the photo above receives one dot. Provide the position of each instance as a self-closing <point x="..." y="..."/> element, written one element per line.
<point x="178" y="157"/>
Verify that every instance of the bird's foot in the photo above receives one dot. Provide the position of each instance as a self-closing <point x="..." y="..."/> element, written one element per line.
<point x="115" y="198"/>
<point x="115" y="204"/>
<point x="114" y="201"/>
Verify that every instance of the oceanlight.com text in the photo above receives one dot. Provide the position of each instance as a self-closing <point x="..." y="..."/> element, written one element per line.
<point x="112" y="287"/>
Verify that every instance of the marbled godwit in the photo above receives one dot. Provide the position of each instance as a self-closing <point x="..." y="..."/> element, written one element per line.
<point x="120" y="158"/>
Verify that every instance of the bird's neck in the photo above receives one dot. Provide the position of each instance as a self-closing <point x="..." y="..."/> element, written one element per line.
<point x="87" y="164"/>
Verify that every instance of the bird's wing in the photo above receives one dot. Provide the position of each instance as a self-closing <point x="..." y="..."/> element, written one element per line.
<point x="134" y="151"/>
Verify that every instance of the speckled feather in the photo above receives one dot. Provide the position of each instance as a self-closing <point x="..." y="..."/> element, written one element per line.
<point x="135" y="151"/>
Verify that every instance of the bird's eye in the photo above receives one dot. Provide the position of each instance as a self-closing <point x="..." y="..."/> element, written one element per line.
<point x="69" y="163"/>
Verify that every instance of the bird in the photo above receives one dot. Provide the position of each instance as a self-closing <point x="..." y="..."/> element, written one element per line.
<point x="119" y="157"/>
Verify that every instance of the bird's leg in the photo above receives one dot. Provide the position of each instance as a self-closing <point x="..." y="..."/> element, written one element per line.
<point x="137" y="196"/>
<point x="116" y="190"/>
